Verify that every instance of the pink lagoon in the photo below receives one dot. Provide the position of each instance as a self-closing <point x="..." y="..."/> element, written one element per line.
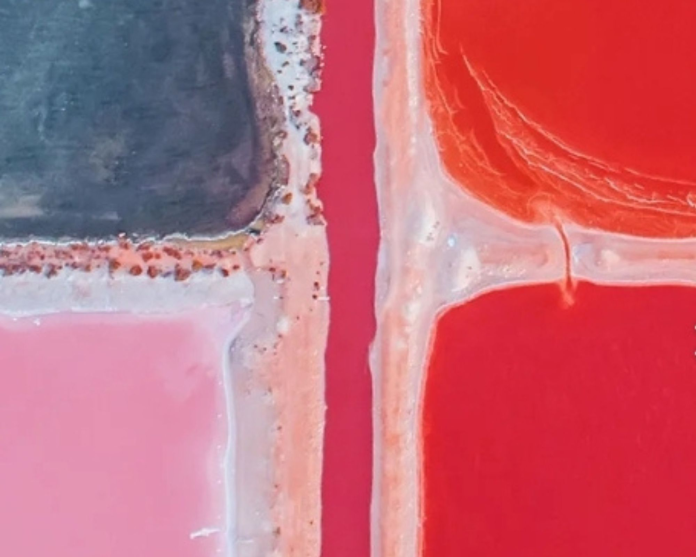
<point x="115" y="435"/>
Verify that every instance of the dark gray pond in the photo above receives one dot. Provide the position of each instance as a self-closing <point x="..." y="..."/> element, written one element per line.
<point x="131" y="116"/>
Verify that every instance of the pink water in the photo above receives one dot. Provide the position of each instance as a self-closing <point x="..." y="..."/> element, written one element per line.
<point x="113" y="430"/>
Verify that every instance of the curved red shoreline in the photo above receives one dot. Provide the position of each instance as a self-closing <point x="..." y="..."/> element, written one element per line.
<point x="568" y="112"/>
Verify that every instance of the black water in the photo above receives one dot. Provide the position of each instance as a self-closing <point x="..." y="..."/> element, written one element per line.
<point x="128" y="116"/>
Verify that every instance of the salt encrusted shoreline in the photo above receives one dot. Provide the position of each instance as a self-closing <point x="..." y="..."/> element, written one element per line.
<point x="278" y="270"/>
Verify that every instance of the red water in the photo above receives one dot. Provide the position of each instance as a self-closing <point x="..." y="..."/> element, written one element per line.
<point x="347" y="189"/>
<point x="112" y="437"/>
<point x="574" y="111"/>
<point x="554" y="431"/>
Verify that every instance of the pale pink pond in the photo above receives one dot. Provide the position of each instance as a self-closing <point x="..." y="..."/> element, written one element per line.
<point x="113" y="432"/>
